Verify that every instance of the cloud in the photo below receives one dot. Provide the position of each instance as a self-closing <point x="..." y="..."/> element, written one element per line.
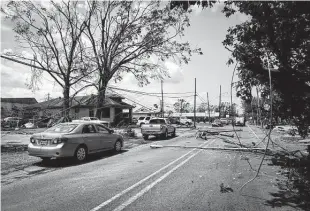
<point x="5" y="27"/>
<point x="14" y="78"/>
<point x="196" y="9"/>
<point x="175" y="73"/>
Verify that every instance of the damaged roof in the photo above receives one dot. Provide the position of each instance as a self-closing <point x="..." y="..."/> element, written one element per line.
<point x="25" y="100"/>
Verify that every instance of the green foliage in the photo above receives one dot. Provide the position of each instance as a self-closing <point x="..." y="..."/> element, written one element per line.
<point x="182" y="106"/>
<point x="278" y="32"/>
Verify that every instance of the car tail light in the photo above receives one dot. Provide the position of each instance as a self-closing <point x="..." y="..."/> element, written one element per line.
<point x="161" y="127"/>
<point x="59" y="140"/>
<point x="32" y="140"/>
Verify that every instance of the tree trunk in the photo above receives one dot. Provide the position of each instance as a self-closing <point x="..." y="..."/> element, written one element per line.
<point x="100" y="99"/>
<point x="66" y="101"/>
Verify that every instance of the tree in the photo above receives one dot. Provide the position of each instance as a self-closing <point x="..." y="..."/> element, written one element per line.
<point x="135" y="37"/>
<point x="279" y="32"/>
<point x="182" y="106"/>
<point x="283" y="42"/>
<point x="51" y="34"/>
<point x="203" y="107"/>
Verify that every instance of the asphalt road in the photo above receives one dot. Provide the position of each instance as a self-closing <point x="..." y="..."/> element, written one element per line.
<point x="168" y="178"/>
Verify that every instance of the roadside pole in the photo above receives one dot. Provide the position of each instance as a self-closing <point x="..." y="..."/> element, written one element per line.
<point x="208" y="107"/>
<point x="195" y="106"/>
<point x="220" y="101"/>
<point x="162" y="99"/>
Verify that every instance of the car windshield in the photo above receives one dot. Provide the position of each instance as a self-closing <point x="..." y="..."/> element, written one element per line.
<point x="62" y="128"/>
<point x="93" y="118"/>
<point x="157" y="121"/>
<point x="141" y="118"/>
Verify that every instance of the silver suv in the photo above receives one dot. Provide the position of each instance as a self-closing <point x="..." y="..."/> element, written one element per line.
<point x="143" y="120"/>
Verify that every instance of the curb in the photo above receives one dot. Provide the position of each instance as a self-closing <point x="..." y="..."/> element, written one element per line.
<point x="14" y="148"/>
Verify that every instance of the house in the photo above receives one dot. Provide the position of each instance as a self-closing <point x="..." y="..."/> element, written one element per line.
<point x="143" y="111"/>
<point x="15" y="106"/>
<point x="82" y="106"/>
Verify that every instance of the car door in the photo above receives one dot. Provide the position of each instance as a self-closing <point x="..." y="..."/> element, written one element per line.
<point x="107" y="139"/>
<point x="91" y="138"/>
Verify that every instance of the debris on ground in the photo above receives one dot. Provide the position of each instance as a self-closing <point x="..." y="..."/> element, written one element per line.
<point x="225" y="189"/>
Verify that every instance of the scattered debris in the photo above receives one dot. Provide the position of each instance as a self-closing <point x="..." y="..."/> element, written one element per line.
<point x="225" y="189"/>
<point x="156" y="146"/>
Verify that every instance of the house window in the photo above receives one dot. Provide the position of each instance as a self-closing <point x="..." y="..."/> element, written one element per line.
<point x="91" y="112"/>
<point x="105" y="113"/>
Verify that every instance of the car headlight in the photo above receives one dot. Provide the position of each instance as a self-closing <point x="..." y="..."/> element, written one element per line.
<point x="32" y="140"/>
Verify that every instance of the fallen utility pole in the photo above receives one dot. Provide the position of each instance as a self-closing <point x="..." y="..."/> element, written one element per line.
<point x="211" y="148"/>
<point x="214" y="130"/>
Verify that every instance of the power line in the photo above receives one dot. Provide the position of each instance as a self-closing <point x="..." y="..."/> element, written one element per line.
<point x="148" y="94"/>
<point x="128" y="99"/>
<point x="154" y="93"/>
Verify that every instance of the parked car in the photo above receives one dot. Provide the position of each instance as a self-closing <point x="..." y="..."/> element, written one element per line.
<point x="174" y="120"/>
<point x="224" y="121"/>
<point x="217" y="123"/>
<point x="143" y="120"/>
<point x="12" y="122"/>
<point x="290" y="129"/>
<point x="92" y="120"/>
<point x="159" y="127"/>
<point x="239" y="121"/>
<point x="76" y="140"/>
<point x="185" y="121"/>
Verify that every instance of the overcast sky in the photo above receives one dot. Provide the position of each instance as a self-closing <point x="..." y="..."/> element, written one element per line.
<point x="207" y="31"/>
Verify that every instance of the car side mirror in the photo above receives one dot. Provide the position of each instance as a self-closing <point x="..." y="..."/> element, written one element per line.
<point x="111" y="131"/>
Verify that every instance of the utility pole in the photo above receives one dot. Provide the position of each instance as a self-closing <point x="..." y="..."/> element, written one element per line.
<point x="258" y="108"/>
<point x="195" y="106"/>
<point x="208" y="107"/>
<point x="48" y="96"/>
<point x="220" y="101"/>
<point x="162" y="99"/>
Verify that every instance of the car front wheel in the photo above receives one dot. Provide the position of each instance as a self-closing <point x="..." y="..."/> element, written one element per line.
<point x="146" y="137"/>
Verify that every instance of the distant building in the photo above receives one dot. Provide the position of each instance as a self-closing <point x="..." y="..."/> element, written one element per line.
<point x="198" y="114"/>
<point x="143" y="111"/>
<point x="15" y="106"/>
<point x="83" y="106"/>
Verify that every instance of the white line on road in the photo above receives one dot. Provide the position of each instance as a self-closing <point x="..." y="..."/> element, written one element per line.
<point x="147" y="188"/>
<point x="141" y="181"/>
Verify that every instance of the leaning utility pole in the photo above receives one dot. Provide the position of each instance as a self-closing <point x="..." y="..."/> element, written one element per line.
<point x="195" y="106"/>
<point x="220" y="102"/>
<point x="258" y="108"/>
<point x="162" y="99"/>
<point x="208" y="107"/>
